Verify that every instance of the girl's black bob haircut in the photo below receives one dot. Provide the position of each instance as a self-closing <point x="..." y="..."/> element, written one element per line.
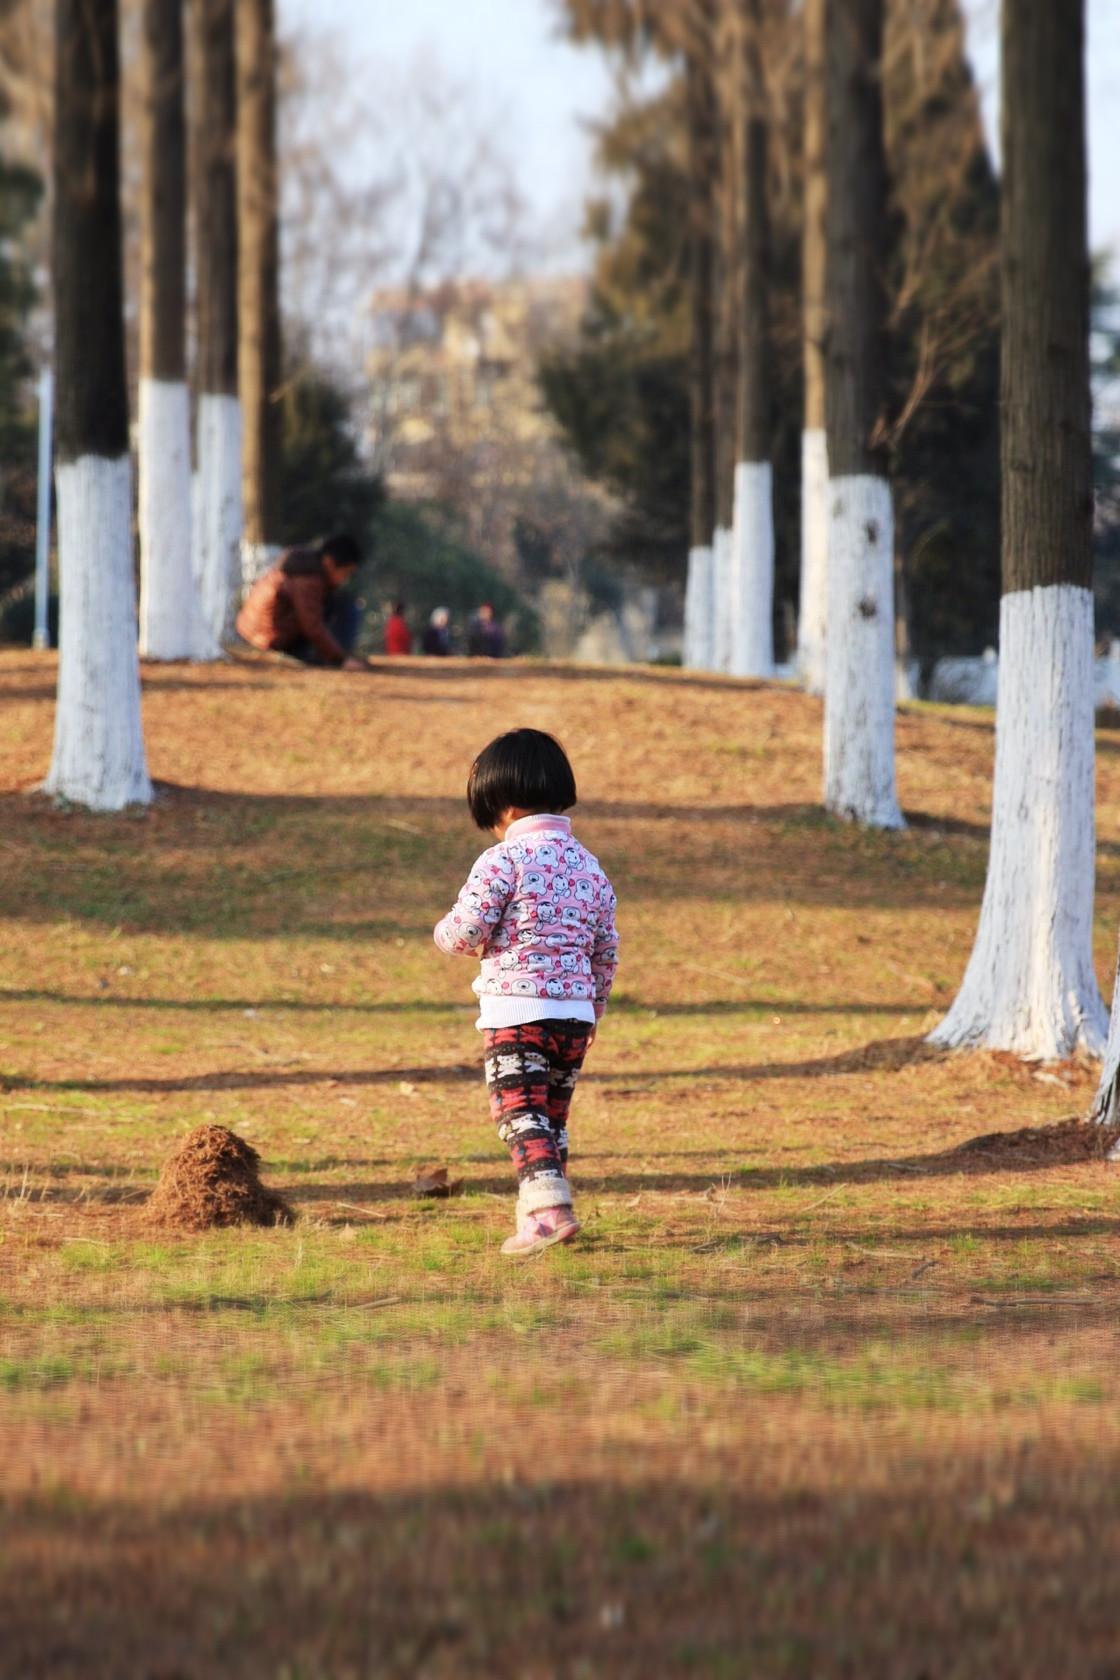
<point x="524" y="769"/>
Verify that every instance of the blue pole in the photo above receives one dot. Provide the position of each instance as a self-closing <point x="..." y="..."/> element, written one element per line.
<point x="42" y="635"/>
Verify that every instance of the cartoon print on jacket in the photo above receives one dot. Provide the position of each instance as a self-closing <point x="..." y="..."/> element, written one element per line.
<point x="540" y="913"/>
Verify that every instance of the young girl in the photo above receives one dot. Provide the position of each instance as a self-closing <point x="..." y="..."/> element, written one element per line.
<point x="539" y="912"/>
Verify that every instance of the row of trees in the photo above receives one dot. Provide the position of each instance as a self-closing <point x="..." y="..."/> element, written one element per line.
<point x="191" y="526"/>
<point x="1030" y="985"/>
<point x="622" y="394"/>
<point x="773" y="95"/>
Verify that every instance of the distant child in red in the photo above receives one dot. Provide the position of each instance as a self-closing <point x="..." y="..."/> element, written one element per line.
<point x="539" y="911"/>
<point x="398" y="637"/>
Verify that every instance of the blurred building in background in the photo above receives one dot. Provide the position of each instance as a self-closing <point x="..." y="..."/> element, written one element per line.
<point x="459" y="423"/>
<point x="455" y="376"/>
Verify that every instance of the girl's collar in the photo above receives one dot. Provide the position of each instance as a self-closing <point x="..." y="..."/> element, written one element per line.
<point x="541" y="823"/>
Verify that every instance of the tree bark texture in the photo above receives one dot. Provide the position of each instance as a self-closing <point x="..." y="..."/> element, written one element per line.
<point x="753" y="374"/>
<point x="702" y="164"/>
<point x="859" y="769"/>
<point x="1030" y="985"/>
<point x="812" y="618"/>
<point x="217" y="503"/>
<point x="259" y="349"/>
<point x="753" y="530"/>
<point x="728" y="265"/>
<point x="752" y="577"/>
<point x="164" y="204"/>
<point x="1046" y="446"/>
<point x="699" y="610"/>
<point x="92" y="395"/>
<point x="98" y="756"/>
<point x="856" y="224"/>
<point x="813" y="246"/>
<point x="723" y="592"/>
<point x="216" y="200"/>
<point x="170" y="614"/>
<point x="859" y="655"/>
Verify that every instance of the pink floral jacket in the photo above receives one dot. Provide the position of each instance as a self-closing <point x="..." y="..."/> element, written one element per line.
<point x="539" y="911"/>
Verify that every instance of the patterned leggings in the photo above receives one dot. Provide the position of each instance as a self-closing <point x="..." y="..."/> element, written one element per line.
<point x="531" y="1072"/>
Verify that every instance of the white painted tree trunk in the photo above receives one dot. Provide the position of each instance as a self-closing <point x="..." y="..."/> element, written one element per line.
<point x="752" y="571"/>
<point x="196" y="521"/>
<point x="722" y="616"/>
<point x="688" y="636"/>
<point x="1030" y="986"/>
<point x="812" y="623"/>
<point x="1106" y="1105"/>
<point x="1108" y="675"/>
<point x="256" y="559"/>
<point x="171" y="623"/>
<point x="859" y="691"/>
<point x="699" y="610"/>
<point x="218" y="535"/>
<point x="98" y="759"/>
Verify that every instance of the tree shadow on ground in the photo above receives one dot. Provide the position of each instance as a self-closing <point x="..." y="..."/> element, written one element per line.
<point x="944" y="712"/>
<point x="259" y="1006"/>
<point x="925" y="1322"/>
<point x="30" y="692"/>
<point x="461" y="669"/>
<point x="927" y="820"/>
<point x="164" y="685"/>
<point x="714" y="1183"/>
<point x="277" y="888"/>
<point x="426" y="1006"/>
<point x="158" y="680"/>
<point x="712" y="1566"/>
<point x="887" y="1055"/>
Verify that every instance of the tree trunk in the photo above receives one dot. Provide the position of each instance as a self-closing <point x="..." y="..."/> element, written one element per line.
<point x="171" y="625"/>
<point x="1106" y="1104"/>
<point x="98" y="758"/>
<point x="859" y="693"/>
<point x="813" y="615"/>
<point x="218" y="493"/>
<point x="727" y="278"/>
<point x="259" y="350"/>
<point x="1030" y="985"/>
<point x="753" y="530"/>
<point x="903" y="687"/>
<point x="699" y="648"/>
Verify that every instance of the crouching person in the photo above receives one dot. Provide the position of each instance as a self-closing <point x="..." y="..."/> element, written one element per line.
<point x="299" y="607"/>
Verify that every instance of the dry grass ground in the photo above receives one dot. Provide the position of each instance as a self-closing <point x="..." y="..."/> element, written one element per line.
<point x="817" y="1395"/>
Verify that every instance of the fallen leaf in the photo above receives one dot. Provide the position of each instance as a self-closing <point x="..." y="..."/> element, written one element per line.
<point x="436" y="1181"/>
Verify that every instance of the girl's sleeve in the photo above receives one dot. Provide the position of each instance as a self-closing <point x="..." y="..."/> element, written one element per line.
<point x="604" y="952"/>
<point x="480" y="906"/>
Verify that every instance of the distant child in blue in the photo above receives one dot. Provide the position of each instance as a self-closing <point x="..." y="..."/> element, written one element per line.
<point x="540" y="913"/>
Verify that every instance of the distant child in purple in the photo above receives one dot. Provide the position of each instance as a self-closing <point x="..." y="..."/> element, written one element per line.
<point x="540" y="913"/>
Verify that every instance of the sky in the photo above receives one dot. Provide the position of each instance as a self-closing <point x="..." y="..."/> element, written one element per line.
<point x="541" y="92"/>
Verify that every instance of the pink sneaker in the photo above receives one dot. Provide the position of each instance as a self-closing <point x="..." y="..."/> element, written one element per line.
<point x="538" y="1231"/>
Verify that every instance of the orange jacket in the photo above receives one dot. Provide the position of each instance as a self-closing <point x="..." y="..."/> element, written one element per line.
<point x="285" y="607"/>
